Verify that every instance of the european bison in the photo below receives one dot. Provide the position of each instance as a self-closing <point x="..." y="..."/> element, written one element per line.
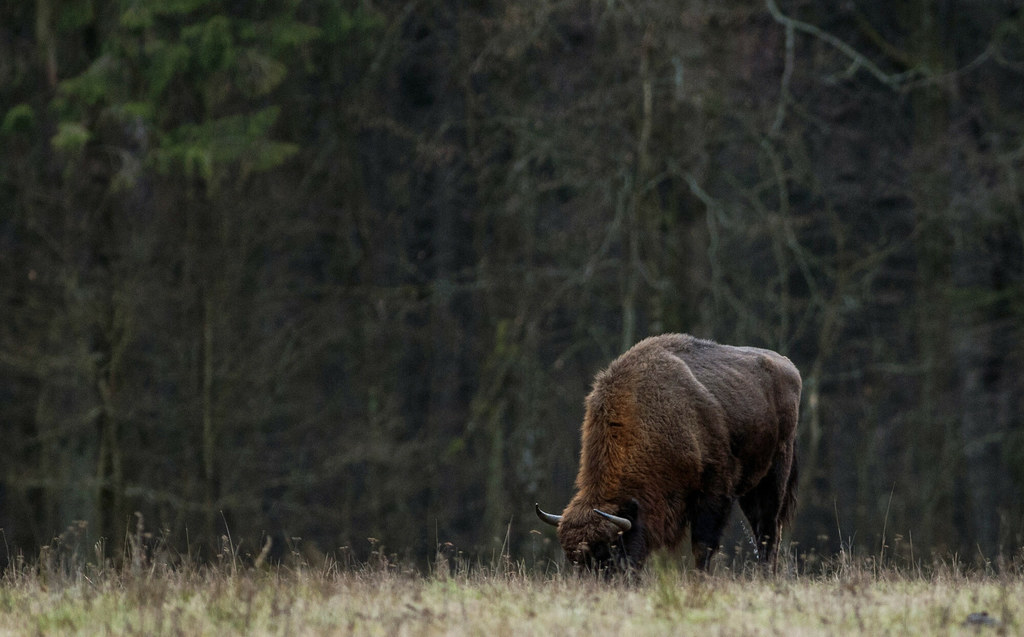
<point x="675" y="430"/>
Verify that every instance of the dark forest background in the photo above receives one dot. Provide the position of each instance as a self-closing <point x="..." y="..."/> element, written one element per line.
<point x="345" y="270"/>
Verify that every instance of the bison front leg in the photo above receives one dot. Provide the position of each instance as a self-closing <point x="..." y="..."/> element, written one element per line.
<point x="710" y="516"/>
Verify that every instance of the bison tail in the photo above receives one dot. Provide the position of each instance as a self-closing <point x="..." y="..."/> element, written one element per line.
<point x="789" y="496"/>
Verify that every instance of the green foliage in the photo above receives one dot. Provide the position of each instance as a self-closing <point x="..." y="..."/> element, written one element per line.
<point x="212" y="42"/>
<point x="139" y="110"/>
<point x="101" y="83"/>
<point x="74" y="14"/>
<point x="143" y="14"/>
<point x="280" y="37"/>
<point x="177" y="7"/>
<point x="71" y="138"/>
<point x="20" y="118"/>
<point x="257" y="74"/>
<point x="207" y="150"/>
<point x="343" y="25"/>
<point x="137" y="15"/>
<point x="224" y="61"/>
<point x="166" y="60"/>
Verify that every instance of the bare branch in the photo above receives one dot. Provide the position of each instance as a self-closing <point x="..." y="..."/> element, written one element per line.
<point x="787" y="76"/>
<point x="893" y="81"/>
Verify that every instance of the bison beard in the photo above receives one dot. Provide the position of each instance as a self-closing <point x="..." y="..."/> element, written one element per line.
<point x="676" y="430"/>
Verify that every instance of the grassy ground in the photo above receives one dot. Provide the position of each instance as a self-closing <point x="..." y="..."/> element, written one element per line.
<point x="381" y="599"/>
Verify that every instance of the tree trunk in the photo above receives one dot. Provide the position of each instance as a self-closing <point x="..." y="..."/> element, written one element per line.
<point x="935" y="443"/>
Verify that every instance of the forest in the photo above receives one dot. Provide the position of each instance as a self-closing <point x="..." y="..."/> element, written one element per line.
<point x="338" y="275"/>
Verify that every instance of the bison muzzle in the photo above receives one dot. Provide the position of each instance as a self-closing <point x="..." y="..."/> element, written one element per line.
<point x="675" y="431"/>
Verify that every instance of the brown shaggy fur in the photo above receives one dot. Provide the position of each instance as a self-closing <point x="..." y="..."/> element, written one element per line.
<point x="677" y="429"/>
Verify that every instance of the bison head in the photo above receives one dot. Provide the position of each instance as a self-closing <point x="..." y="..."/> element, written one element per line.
<point x="596" y="540"/>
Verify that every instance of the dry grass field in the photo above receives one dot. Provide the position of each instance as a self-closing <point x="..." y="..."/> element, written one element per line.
<point x="54" y="597"/>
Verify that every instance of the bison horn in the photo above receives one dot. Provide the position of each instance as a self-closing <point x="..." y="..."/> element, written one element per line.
<point x="623" y="523"/>
<point x="550" y="518"/>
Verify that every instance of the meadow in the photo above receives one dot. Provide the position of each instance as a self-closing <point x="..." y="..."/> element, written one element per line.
<point x="380" y="597"/>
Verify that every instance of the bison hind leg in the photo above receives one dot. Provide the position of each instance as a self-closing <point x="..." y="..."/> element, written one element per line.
<point x="769" y="505"/>
<point x="711" y="514"/>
